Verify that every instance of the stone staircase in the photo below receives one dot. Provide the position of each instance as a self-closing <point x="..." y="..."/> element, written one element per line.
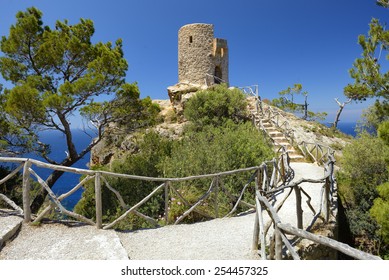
<point x="279" y="140"/>
<point x="273" y="132"/>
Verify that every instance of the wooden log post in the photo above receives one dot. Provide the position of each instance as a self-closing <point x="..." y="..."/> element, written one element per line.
<point x="11" y="203"/>
<point x="326" y="200"/>
<point x="299" y="210"/>
<point x="167" y="188"/>
<point x="262" y="236"/>
<point x="26" y="192"/>
<point x="330" y="167"/>
<point x="272" y="248"/>
<point x="98" y="201"/>
<point x="278" y="243"/>
<point x="254" y="245"/>
<point x="216" y="191"/>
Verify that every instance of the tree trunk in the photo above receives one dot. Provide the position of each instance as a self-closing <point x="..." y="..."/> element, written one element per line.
<point x="41" y="196"/>
<point x="341" y="107"/>
<point x="335" y="124"/>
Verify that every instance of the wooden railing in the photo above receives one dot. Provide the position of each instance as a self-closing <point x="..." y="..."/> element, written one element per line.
<point x="316" y="152"/>
<point x="279" y="243"/>
<point x="275" y="173"/>
<point x="270" y="178"/>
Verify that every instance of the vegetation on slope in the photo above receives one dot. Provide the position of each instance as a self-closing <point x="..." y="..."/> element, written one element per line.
<point x="217" y="138"/>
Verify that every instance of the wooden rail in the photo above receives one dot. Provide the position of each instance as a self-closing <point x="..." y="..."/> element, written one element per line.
<point x="316" y="152"/>
<point x="269" y="178"/>
<point x="275" y="173"/>
<point x="278" y="240"/>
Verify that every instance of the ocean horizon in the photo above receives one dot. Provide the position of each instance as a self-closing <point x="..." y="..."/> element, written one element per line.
<point x="347" y="128"/>
<point x="81" y="140"/>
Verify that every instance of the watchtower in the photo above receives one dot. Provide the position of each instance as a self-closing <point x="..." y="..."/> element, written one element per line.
<point x="202" y="59"/>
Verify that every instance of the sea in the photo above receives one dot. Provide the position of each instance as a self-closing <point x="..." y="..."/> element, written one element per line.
<point x="81" y="140"/>
<point x="347" y="128"/>
<point x="58" y="147"/>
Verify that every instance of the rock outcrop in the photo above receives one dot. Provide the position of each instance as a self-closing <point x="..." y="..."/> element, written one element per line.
<point x="180" y="93"/>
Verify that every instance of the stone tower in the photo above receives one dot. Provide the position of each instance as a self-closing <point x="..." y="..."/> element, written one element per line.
<point x="202" y="59"/>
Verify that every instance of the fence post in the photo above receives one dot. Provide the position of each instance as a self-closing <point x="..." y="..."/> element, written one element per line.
<point x="326" y="202"/>
<point x="98" y="200"/>
<point x="278" y="243"/>
<point x="26" y="192"/>
<point x="216" y="197"/>
<point x="167" y="202"/>
<point x="254" y="245"/>
<point x="299" y="210"/>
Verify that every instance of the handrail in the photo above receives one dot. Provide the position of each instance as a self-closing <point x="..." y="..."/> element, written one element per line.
<point x="281" y="122"/>
<point x="281" y="228"/>
<point x="279" y="169"/>
<point x="263" y="204"/>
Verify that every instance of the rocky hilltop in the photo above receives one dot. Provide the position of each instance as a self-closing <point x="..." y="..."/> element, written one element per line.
<point x="172" y="123"/>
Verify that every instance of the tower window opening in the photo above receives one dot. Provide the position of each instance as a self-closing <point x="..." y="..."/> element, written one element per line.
<point x="191" y="39"/>
<point x="222" y="52"/>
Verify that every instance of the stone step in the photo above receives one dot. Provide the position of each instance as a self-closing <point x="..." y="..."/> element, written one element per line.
<point x="285" y="144"/>
<point x="9" y="226"/>
<point x="275" y="133"/>
<point x="268" y="125"/>
<point x="296" y="158"/>
<point x="280" y="139"/>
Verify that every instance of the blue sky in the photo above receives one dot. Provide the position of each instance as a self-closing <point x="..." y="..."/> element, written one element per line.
<point x="274" y="44"/>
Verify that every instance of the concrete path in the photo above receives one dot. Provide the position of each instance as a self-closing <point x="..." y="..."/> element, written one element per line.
<point x="63" y="242"/>
<point x="288" y="211"/>
<point x="228" y="238"/>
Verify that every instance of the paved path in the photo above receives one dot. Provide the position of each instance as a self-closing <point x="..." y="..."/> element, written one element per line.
<point x="228" y="238"/>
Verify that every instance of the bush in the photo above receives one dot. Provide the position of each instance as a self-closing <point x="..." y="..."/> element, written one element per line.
<point x="364" y="167"/>
<point x="12" y="188"/>
<point x="218" y="140"/>
<point x="216" y="149"/>
<point x="153" y="148"/>
<point x="216" y="105"/>
<point x="380" y="211"/>
<point x="383" y="132"/>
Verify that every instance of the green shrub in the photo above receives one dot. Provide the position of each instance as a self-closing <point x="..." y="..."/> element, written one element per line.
<point x="364" y="167"/>
<point x="216" y="149"/>
<point x="216" y="105"/>
<point x="153" y="148"/>
<point x="12" y="188"/>
<point x="383" y="132"/>
<point x="218" y="139"/>
<point x="380" y="211"/>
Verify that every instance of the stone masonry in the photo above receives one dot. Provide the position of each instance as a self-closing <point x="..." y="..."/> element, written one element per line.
<point x="202" y="59"/>
<point x="202" y="62"/>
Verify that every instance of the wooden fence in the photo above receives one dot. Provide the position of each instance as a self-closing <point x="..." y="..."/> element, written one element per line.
<point x="315" y="152"/>
<point x="275" y="173"/>
<point x="269" y="178"/>
<point x="279" y="243"/>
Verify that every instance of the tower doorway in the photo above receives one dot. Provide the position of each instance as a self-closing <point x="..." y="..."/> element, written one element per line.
<point x="217" y="77"/>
